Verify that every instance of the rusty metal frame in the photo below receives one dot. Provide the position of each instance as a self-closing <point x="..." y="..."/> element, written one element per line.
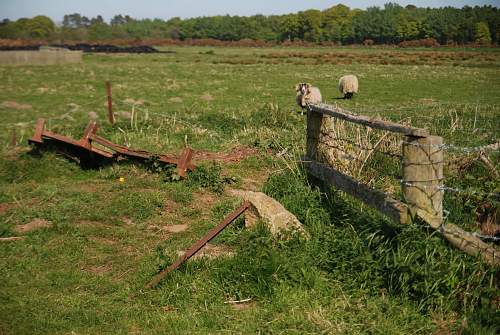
<point x="199" y="244"/>
<point x="90" y="154"/>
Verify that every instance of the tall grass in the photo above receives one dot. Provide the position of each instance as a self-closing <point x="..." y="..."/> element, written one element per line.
<point x="365" y="251"/>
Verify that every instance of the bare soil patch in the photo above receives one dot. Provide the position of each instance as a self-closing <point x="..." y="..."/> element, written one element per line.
<point x="33" y="225"/>
<point x="175" y="229"/>
<point x="127" y="221"/>
<point x="90" y="223"/>
<point x="203" y="201"/>
<point x="15" y="105"/>
<point x="170" y="206"/>
<point x="236" y="155"/>
<point x="207" y="97"/>
<point x="211" y="251"/>
<point x="11" y="239"/>
<point x="242" y="306"/>
<point x="102" y="240"/>
<point x="5" y="207"/>
<point x="176" y="99"/>
<point x="100" y="269"/>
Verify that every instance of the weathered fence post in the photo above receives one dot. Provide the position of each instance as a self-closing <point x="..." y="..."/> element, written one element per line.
<point x="314" y="122"/>
<point x="13" y="140"/>
<point x="423" y="174"/>
<point x="111" y="116"/>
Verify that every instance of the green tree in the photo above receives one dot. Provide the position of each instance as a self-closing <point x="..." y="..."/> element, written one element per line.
<point x="310" y="22"/>
<point x="98" y="29"/>
<point x="40" y="27"/>
<point x="289" y="27"/>
<point x="482" y="33"/>
<point x="337" y="24"/>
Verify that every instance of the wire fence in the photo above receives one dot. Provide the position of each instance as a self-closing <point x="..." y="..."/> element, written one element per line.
<point x="361" y="150"/>
<point x="488" y="147"/>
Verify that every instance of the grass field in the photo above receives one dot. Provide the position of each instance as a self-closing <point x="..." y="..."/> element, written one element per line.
<point x="358" y="274"/>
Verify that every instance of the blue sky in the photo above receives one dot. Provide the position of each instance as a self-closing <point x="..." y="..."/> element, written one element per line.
<point x="14" y="9"/>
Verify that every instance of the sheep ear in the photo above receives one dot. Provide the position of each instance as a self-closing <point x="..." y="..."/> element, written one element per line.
<point x="297" y="87"/>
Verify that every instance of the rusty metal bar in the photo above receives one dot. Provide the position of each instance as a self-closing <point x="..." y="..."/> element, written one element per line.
<point x="111" y="116"/>
<point x="199" y="244"/>
<point x="37" y="137"/>
<point x="89" y="136"/>
<point x="184" y="160"/>
<point x="70" y="141"/>
<point x="140" y="154"/>
<point x="89" y="130"/>
<point x="120" y="148"/>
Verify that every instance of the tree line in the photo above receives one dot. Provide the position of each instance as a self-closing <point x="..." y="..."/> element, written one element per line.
<point x="338" y="24"/>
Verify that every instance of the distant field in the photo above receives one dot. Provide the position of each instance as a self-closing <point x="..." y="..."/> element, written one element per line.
<point x="358" y="274"/>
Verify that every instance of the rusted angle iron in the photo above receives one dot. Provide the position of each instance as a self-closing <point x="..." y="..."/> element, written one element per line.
<point x="183" y="162"/>
<point x="83" y="143"/>
<point x="199" y="244"/>
<point x="115" y="150"/>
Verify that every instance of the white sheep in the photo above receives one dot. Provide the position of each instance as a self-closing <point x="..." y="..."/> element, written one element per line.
<point x="307" y="94"/>
<point x="348" y="85"/>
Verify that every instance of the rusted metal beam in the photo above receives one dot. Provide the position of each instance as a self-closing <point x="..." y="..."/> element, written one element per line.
<point x="67" y="140"/>
<point x="83" y="147"/>
<point x="37" y="137"/>
<point x="91" y="129"/>
<point x="111" y="115"/>
<point x="184" y="160"/>
<point x="199" y="244"/>
<point x="122" y="150"/>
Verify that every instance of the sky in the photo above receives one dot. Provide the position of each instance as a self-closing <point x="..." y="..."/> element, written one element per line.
<point x="165" y="9"/>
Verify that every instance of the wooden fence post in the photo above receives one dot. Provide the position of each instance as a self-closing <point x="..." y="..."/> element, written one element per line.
<point x="13" y="140"/>
<point x="111" y="116"/>
<point x="314" y="122"/>
<point x="423" y="174"/>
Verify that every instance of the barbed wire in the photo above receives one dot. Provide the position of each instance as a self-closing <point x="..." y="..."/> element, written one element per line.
<point x="442" y="230"/>
<point x="364" y="148"/>
<point x="485" y="238"/>
<point x="488" y="147"/>
<point x="445" y="188"/>
<point x="464" y="191"/>
<point x="489" y="238"/>
<point x="348" y="154"/>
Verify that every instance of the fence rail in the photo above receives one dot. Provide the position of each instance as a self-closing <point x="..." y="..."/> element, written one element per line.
<point x="342" y="114"/>
<point x="422" y="184"/>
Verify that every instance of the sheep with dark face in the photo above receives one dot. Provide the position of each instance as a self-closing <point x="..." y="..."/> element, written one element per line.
<point x="348" y="85"/>
<point x="307" y="94"/>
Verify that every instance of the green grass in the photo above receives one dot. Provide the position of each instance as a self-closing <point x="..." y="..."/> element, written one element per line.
<point x="359" y="273"/>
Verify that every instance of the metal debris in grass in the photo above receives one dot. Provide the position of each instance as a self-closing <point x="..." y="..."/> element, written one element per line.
<point x="88" y="154"/>
<point x="199" y="245"/>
